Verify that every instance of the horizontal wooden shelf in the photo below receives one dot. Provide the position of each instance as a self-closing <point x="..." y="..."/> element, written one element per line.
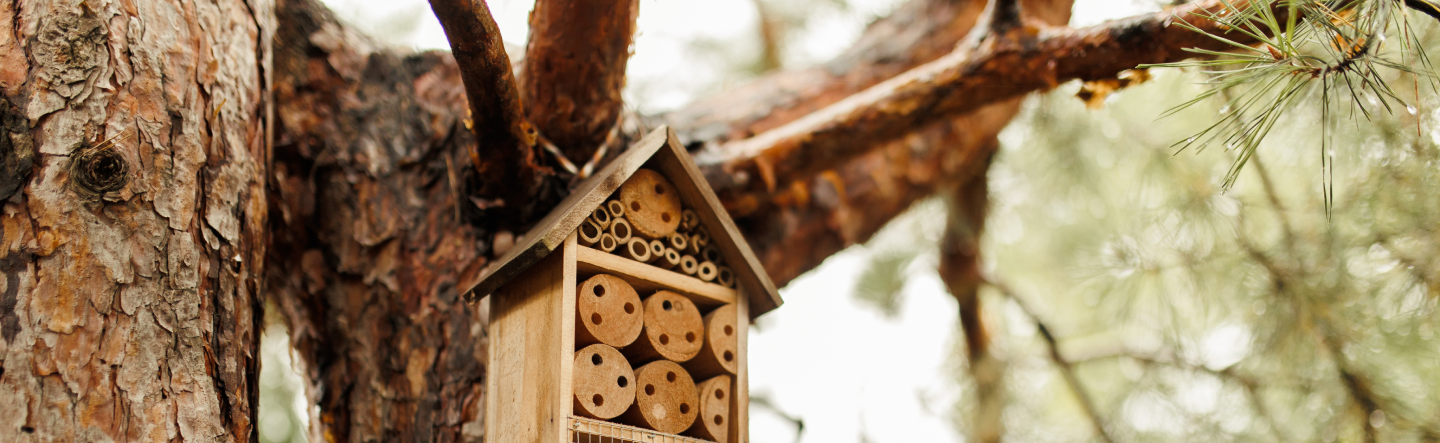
<point x="585" y="430"/>
<point x="646" y="278"/>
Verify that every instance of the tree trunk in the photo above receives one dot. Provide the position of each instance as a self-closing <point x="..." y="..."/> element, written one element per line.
<point x="133" y="233"/>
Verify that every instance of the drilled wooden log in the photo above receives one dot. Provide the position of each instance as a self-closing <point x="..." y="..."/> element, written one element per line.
<point x="712" y="422"/>
<point x="651" y="203"/>
<point x="590" y="232"/>
<point x="607" y="310"/>
<point x="603" y="382"/>
<point x="673" y="329"/>
<point x="665" y="398"/>
<point x="719" y="350"/>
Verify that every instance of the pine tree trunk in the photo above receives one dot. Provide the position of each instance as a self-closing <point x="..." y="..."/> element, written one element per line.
<point x="130" y="270"/>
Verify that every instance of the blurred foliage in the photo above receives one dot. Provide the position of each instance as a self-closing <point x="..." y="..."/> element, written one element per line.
<point x="1193" y="313"/>
<point x="282" y="398"/>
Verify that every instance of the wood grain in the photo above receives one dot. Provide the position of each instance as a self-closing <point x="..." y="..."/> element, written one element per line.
<point x="645" y="278"/>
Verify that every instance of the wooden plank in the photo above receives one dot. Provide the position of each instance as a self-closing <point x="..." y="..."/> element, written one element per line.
<point x="565" y="352"/>
<point x="675" y="164"/>
<point x="585" y="430"/>
<point x="646" y="278"/>
<point x="740" y="398"/>
<point x="528" y="371"/>
<point x="550" y="232"/>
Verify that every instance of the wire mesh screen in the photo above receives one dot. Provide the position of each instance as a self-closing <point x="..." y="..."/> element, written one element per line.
<point x="584" y="430"/>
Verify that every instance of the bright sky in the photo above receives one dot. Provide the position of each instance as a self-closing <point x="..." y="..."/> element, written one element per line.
<point x="840" y="366"/>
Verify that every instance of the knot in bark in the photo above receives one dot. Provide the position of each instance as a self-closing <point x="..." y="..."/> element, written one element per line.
<point x="99" y="169"/>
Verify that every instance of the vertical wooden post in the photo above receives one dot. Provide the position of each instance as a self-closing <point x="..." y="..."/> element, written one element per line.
<point x="740" y="403"/>
<point x="532" y="345"/>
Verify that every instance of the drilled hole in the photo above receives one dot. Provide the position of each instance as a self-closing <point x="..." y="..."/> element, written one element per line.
<point x="665" y="217"/>
<point x="684" y="408"/>
<point x="664" y="339"/>
<point x="595" y="358"/>
<point x="729" y="330"/>
<point x="622" y="230"/>
<point x="670" y="376"/>
<point x="690" y="337"/>
<point x="599" y="290"/>
<point x="720" y="394"/>
<point x="630" y="308"/>
<point x="622" y="381"/>
<point x="659" y="189"/>
<point x="649" y="389"/>
<point x="665" y="305"/>
<point x="598" y="400"/>
<point x="635" y="206"/>
<point x="729" y="356"/>
<point x="719" y="420"/>
<point x="595" y="318"/>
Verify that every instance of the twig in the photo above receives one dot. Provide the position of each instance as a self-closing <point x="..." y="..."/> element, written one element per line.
<point x="1067" y="369"/>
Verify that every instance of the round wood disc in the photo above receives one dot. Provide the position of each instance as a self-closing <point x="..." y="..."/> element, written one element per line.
<point x="713" y="422"/>
<point x="673" y="327"/>
<point x="720" y="351"/>
<point x="603" y="382"/>
<point x="607" y="310"/>
<point x="665" y="398"/>
<point x="651" y="204"/>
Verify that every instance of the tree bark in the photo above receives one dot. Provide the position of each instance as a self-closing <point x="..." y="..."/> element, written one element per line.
<point x="372" y="226"/>
<point x="132" y="246"/>
<point x="575" y="70"/>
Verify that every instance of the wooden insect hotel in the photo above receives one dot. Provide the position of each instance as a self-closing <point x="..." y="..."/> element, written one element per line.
<point x="622" y="316"/>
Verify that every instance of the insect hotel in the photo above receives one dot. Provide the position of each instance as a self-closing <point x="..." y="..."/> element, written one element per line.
<point x="622" y="316"/>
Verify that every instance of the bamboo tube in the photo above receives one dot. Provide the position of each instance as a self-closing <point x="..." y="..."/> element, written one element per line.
<point x="706" y="271"/>
<point x="637" y="249"/>
<point x="725" y="276"/>
<point x="615" y="208"/>
<point x="602" y="217"/>
<point x="657" y="250"/>
<point x="698" y="242"/>
<point x="719" y="349"/>
<point x="710" y="254"/>
<point x="620" y="229"/>
<point x="673" y="329"/>
<point x="669" y="260"/>
<point x="689" y="265"/>
<point x="651" y="204"/>
<point x="607" y="310"/>
<point x="590" y="232"/>
<point x="679" y="241"/>
<point x="665" y="398"/>
<point x="607" y="242"/>
<point x="603" y="382"/>
<point x="688" y="219"/>
<point x="713" y="420"/>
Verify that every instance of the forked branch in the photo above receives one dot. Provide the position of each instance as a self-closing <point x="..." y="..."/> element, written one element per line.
<point x="990" y="70"/>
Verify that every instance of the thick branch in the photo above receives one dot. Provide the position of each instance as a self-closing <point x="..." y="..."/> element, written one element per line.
<point x="506" y="153"/>
<point x="575" y="69"/>
<point x="988" y="71"/>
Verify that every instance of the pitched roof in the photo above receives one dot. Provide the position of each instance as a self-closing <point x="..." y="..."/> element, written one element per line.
<point x="661" y="151"/>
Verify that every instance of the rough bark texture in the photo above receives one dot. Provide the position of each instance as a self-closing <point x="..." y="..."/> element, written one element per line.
<point x="988" y="68"/>
<point x="371" y="227"/>
<point x="130" y="269"/>
<point x="510" y="172"/>
<point x="575" y="69"/>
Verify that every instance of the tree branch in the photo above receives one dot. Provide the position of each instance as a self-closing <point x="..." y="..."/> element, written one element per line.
<point x="575" y="69"/>
<point x="505" y="157"/>
<point x="992" y="70"/>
